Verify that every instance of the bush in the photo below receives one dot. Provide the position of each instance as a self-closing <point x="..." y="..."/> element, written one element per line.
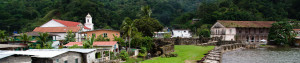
<point x="142" y="55"/>
<point x="124" y="55"/>
<point x="139" y="42"/>
<point x="74" y="46"/>
<point x="169" y="55"/>
<point x="163" y="56"/>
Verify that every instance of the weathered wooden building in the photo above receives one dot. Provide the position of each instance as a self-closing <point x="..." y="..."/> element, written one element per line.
<point x="245" y="31"/>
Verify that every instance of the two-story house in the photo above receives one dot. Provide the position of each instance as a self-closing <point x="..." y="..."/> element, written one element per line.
<point x="245" y="31"/>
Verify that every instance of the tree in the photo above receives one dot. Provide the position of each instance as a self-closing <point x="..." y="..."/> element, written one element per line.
<point x="281" y="33"/>
<point x="146" y="11"/>
<point x="43" y="38"/>
<point x="88" y="43"/>
<point x="101" y="38"/>
<point x="139" y="41"/>
<point x="124" y="55"/>
<point x="167" y="35"/>
<point x="204" y="31"/>
<point x="128" y="27"/>
<point x="70" y="37"/>
<point x="146" y="24"/>
<point x="120" y="40"/>
<point x="2" y="36"/>
<point x="25" y="37"/>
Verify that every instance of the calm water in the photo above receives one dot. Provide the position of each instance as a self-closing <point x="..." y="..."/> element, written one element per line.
<point x="262" y="55"/>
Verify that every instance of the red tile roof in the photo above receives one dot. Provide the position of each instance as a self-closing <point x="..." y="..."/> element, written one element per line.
<point x="296" y="29"/>
<point x="56" y="29"/>
<point x="69" y="23"/>
<point x="97" y="43"/>
<point x="254" y="24"/>
<point x="86" y="27"/>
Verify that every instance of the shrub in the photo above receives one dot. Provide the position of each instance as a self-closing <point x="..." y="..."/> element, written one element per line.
<point x="138" y="42"/>
<point x="142" y="55"/>
<point x="74" y="46"/>
<point x="124" y="55"/>
<point x="169" y="55"/>
<point x="163" y="56"/>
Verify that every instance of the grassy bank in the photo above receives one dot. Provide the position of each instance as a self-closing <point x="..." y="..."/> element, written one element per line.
<point x="186" y="53"/>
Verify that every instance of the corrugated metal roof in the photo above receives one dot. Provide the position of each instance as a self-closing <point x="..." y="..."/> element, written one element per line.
<point x="9" y="46"/>
<point x="5" y="55"/>
<point x="74" y="50"/>
<point x="39" y="54"/>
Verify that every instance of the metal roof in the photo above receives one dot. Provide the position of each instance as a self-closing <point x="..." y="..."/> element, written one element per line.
<point x="5" y="55"/>
<point x="10" y="46"/>
<point x="74" y="50"/>
<point x="39" y="54"/>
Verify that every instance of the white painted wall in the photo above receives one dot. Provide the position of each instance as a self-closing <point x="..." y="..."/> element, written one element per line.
<point x="89" y="22"/>
<point x="52" y="23"/>
<point x="69" y="56"/>
<point x="62" y="36"/>
<point x="181" y="33"/>
<point x="218" y="30"/>
<point x="90" y="57"/>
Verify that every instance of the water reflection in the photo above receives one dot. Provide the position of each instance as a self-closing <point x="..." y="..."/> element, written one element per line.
<point x="262" y="55"/>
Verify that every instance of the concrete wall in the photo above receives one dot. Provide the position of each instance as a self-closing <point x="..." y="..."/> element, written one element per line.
<point x="16" y="59"/>
<point x="52" y="23"/>
<point x="110" y="33"/>
<point x="69" y="56"/>
<point x="91" y="57"/>
<point x="62" y="36"/>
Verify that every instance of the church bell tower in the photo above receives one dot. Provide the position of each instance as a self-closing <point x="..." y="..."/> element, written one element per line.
<point x="89" y="22"/>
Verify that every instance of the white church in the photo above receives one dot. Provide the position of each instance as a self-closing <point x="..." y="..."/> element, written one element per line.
<point x="61" y="27"/>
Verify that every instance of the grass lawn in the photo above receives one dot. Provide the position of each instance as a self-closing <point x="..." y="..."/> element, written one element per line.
<point x="186" y="53"/>
<point x="133" y="60"/>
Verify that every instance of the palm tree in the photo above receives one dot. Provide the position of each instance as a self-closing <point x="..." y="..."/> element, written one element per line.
<point x="89" y="42"/>
<point x="146" y="11"/>
<point x="70" y="37"/>
<point x="128" y="27"/>
<point x="24" y="37"/>
<point x="2" y="35"/>
<point x="43" y="38"/>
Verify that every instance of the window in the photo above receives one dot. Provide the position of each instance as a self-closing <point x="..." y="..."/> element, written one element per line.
<point x="66" y="61"/>
<point x="57" y="60"/>
<point x="76" y="60"/>
<point x="104" y="34"/>
<point x="230" y="31"/>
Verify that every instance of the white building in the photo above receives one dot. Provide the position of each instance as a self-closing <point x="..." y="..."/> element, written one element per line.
<point x="181" y="33"/>
<point x="14" y="58"/>
<point x="60" y="27"/>
<point x="88" y="54"/>
<point x="160" y="34"/>
<point x="245" y="31"/>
